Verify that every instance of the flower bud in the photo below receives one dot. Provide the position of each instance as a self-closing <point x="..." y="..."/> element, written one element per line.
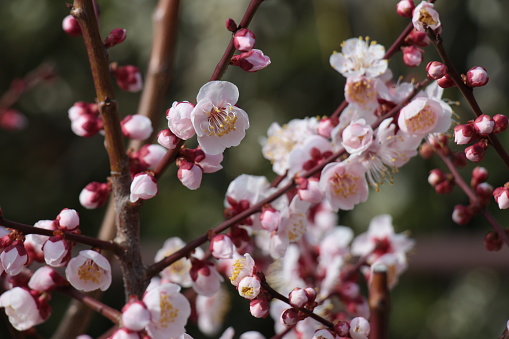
<point x="68" y="220"/>
<point x="46" y="279"/>
<point x="244" y="40"/>
<point x="475" y="152"/>
<point x="206" y="279"/>
<point x="231" y="25"/>
<point x="461" y="214"/>
<point x="128" y="77"/>
<point x="249" y="287"/>
<point x="115" y="37"/>
<point x="290" y="317"/>
<point x="484" y="124"/>
<point x="477" y="77"/>
<point x="484" y="191"/>
<point x="251" y="61"/>
<point x="419" y="39"/>
<point x="137" y="127"/>
<point x="144" y="186"/>
<point x="445" y="186"/>
<point x="87" y="125"/>
<point x="270" y="218"/>
<point x="221" y="247"/>
<point x="464" y="134"/>
<point x="57" y="251"/>
<point x="479" y="175"/>
<point x="14" y="258"/>
<point x="179" y="119"/>
<point x="326" y="125"/>
<point x="151" y="155"/>
<point x="71" y="26"/>
<point x="436" y="70"/>
<point x="446" y="81"/>
<point x="412" y="56"/>
<point x="189" y="174"/>
<point x="501" y="195"/>
<point x="342" y="328"/>
<point x="501" y="123"/>
<point x="167" y="139"/>
<point x="436" y="176"/>
<point x="135" y="315"/>
<point x="492" y="242"/>
<point x="259" y="308"/>
<point x="426" y="151"/>
<point x="298" y="297"/>
<point x="309" y="190"/>
<point x="12" y="120"/>
<point x="95" y="195"/>
<point x="405" y="8"/>
<point x="459" y="159"/>
<point x="359" y="328"/>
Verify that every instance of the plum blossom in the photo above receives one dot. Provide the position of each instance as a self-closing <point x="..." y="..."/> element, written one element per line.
<point x="169" y="311"/>
<point x="14" y="258"/>
<point x="57" y="251"/>
<point x="21" y="308"/>
<point x="206" y="279"/>
<point x="359" y="328"/>
<point x="242" y="268"/>
<point x="218" y="123"/>
<point x="344" y="184"/>
<point x="89" y="271"/>
<point x="359" y="57"/>
<point x="425" y="115"/>
<point x="144" y="186"/>
<point x="424" y="16"/>
<point x="135" y="315"/>
<point x="94" y="195"/>
<point x="251" y="61"/>
<point x="179" y="119"/>
<point x="357" y="136"/>
<point x="137" y="127"/>
<point x="68" y="220"/>
<point x="249" y="287"/>
<point x="244" y="40"/>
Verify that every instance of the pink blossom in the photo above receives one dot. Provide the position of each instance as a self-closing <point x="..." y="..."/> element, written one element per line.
<point x="71" y="26"/>
<point x="477" y="77"/>
<point x="45" y="279"/>
<point x="309" y="190"/>
<point x="21" y="308"/>
<point x="244" y="40"/>
<point x="206" y="279"/>
<point x="217" y="122"/>
<point x="169" y="311"/>
<point x="115" y="37"/>
<point x="135" y="315"/>
<point x="325" y="334"/>
<point x="210" y="163"/>
<point x="484" y="124"/>
<point x="501" y="123"/>
<point x="359" y="57"/>
<point x="167" y="139"/>
<point x="298" y="297"/>
<point x="221" y="247"/>
<point x="405" y="8"/>
<point x="270" y="218"/>
<point x="412" y="56"/>
<point x="436" y="70"/>
<point x="344" y="184"/>
<point x="310" y="153"/>
<point x="144" y="186"/>
<point x="363" y="91"/>
<point x="14" y="258"/>
<point x="189" y="175"/>
<point x="68" y="220"/>
<point x="57" y="251"/>
<point x="357" y="136"/>
<point x="34" y="242"/>
<point x="95" y="195"/>
<point x="179" y="119"/>
<point x="424" y="16"/>
<point x="475" y="152"/>
<point x="128" y="78"/>
<point x="89" y="271"/>
<point x="242" y="268"/>
<point x="249" y="287"/>
<point x="86" y="125"/>
<point x="251" y="61"/>
<point x="425" y="115"/>
<point x="137" y="127"/>
<point x="151" y="155"/>
<point x="464" y="134"/>
<point x="259" y="308"/>
<point x="501" y="195"/>
<point x="359" y="328"/>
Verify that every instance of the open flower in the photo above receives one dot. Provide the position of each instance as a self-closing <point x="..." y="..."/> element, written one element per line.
<point x="21" y="308"/>
<point x="359" y="57"/>
<point x="89" y="271"/>
<point x="218" y="123"/>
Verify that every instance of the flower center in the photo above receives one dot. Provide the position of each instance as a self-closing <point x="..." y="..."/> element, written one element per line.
<point x="422" y="121"/>
<point x="90" y="271"/>
<point x="168" y="312"/>
<point x="220" y="121"/>
<point x="344" y="184"/>
<point x="426" y="18"/>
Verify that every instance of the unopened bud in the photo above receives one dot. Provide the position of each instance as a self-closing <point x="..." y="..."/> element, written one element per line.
<point x="12" y="120"/>
<point x="290" y="317"/>
<point x="71" y="26"/>
<point x="244" y="40"/>
<point x="475" y="152"/>
<point x="94" y="195"/>
<point x="436" y="176"/>
<point x="501" y="195"/>
<point x="167" y="139"/>
<point x="464" y="134"/>
<point x="412" y="56"/>
<point x="144" y="186"/>
<point x="405" y="8"/>
<point x="461" y="214"/>
<point x="419" y="39"/>
<point x="231" y="25"/>
<point x="251" y="61"/>
<point x="501" y="123"/>
<point x="492" y="242"/>
<point x="477" y="77"/>
<point x="484" y="124"/>
<point x="137" y="127"/>
<point x="479" y="175"/>
<point x="446" y="81"/>
<point x="115" y="37"/>
<point x="128" y="77"/>
<point x="436" y="70"/>
<point x="342" y="328"/>
<point x="259" y="308"/>
<point x="426" y="151"/>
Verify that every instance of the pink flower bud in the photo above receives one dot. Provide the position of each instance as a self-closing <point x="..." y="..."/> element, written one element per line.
<point x="446" y="81"/>
<point x="251" y="61"/>
<point x="86" y="125"/>
<point x="12" y="120"/>
<point x="342" y="328"/>
<point x="501" y="195"/>
<point x="477" y="77"/>
<point x="190" y="175"/>
<point x="128" y="78"/>
<point x="46" y="279"/>
<point x="71" y="26"/>
<point x="57" y="251"/>
<point x="290" y="317"/>
<point x="68" y="220"/>
<point x="412" y="56"/>
<point x="479" y="175"/>
<point x="436" y="176"/>
<point x="501" y="123"/>
<point x="426" y="151"/>
<point x="325" y="334"/>
<point x="144" y="186"/>
<point x="206" y="279"/>
<point x="464" y="134"/>
<point x="259" y="308"/>
<point x="210" y="163"/>
<point x="167" y="139"/>
<point x="461" y="214"/>
<point x="484" y="124"/>
<point x="436" y="70"/>
<point x="137" y="127"/>
<point x="405" y="8"/>
<point x="125" y="333"/>
<point x="221" y="247"/>
<point x="14" y="258"/>
<point x="95" y="195"/>
<point x="270" y="218"/>
<point x="135" y="315"/>
<point x="115" y="37"/>
<point x="359" y="328"/>
<point x="298" y="297"/>
<point x="325" y="127"/>
<point x="475" y="152"/>
<point x="179" y="119"/>
<point x="309" y="190"/>
<point x="244" y="40"/>
<point x="249" y="287"/>
<point x="231" y="25"/>
<point x="492" y="242"/>
<point x="484" y="191"/>
<point x="416" y="38"/>
<point x="445" y="186"/>
<point x="151" y="155"/>
<point x="459" y="159"/>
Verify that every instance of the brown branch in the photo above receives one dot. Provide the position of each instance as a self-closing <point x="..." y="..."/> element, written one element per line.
<point x="379" y="304"/>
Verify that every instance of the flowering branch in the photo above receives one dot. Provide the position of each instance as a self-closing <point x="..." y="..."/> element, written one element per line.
<point x="379" y="303"/>
<point x="466" y="91"/>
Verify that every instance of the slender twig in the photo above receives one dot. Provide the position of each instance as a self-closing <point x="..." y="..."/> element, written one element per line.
<point x="127" y="215"/>
<point x="466" y="91"/>
<point x="379" y="303"/>
<point x="458" y="179"/>
<point x="83" y="239"/>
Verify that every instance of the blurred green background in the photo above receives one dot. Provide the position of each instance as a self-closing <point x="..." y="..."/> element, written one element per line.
<point x="445" y="293"/>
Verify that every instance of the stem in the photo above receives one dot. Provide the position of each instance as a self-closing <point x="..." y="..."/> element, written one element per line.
<point x="127" y="216"/>
<point x="83" y="239"/>
<point x="473" y="198"/>
<point x="466" y="91"/>
<point x="379" y="304"/>
<point x="228" y="53"/>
